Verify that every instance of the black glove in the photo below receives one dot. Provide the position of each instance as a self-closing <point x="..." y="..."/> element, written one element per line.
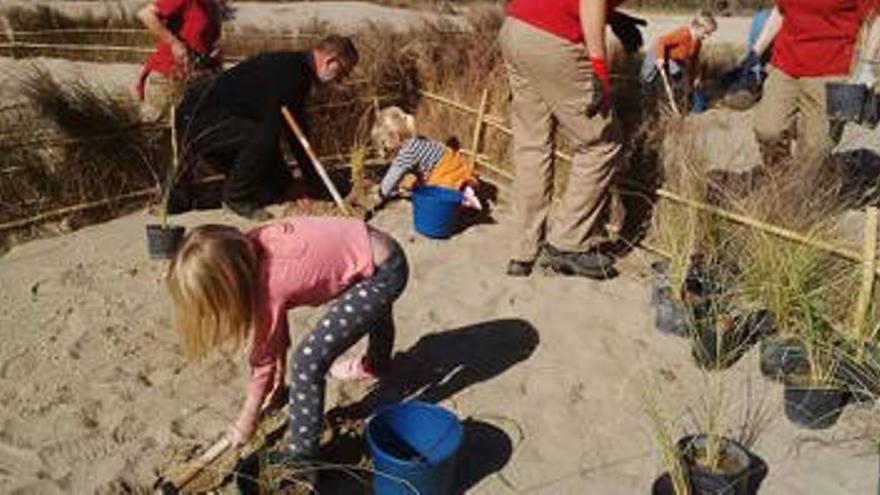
<point x="626" y="28"/>
<point x="751" y="61"/>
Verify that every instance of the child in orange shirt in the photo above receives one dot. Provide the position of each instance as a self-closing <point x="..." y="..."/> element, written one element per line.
<point x="678" y="52"/>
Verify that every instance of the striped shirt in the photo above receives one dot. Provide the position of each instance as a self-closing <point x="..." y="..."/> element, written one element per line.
<point x="418" y="155"/>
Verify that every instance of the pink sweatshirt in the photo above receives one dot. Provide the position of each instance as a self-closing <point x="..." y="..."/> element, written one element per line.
<point x="303" y="262"/>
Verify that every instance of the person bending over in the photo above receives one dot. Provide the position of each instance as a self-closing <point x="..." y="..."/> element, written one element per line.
<point x="234" y="121"/>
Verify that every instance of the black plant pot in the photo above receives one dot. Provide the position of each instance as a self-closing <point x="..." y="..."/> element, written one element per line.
<point x="781" y="358"/>
<point x="846" y="102"/>
<point x="719" y="346"/>
<point x="814" y="407"/>
<point x="162" y="241"/>
<point x="744" y="474"/>
<point x="860" y="377"/>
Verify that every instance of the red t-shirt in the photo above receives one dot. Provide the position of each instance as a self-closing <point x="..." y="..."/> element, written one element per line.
<point x="559" y="17"/>
<point x="193" y="22"/>
<point x="818" y="37"/>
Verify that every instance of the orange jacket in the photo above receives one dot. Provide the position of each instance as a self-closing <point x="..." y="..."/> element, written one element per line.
<point x="679" y="45"/>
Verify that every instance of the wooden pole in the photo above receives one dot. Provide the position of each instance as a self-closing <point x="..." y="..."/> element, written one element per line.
<point x="192" y="470"/>
<point x="869" y="264"/>
<point x="300" y="135"/>
<point x="669" y="93"/>
<point x="478" y="124"/>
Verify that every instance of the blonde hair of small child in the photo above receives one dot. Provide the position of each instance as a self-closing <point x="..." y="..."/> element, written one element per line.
<point x="704" y="19"/>
<point x="212" y="282"/>
<point x="392" y="128"/>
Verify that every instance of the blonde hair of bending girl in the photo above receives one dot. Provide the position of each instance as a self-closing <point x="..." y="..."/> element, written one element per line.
<point x="212" y="281"/>
<point x="392" y="128"/>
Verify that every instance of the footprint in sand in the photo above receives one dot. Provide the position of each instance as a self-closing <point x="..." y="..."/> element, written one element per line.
<point x="62" y="456"/>
<point x="19" y="366"/>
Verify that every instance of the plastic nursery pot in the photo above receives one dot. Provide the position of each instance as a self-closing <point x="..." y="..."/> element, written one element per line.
<point x="671" y="316"/>
<point x="860" y="377"/>
<point x="781" y="358"/>
<point x="739" y="472"/>
<point x="846" y="102"/>
<point x="728" y="338"/>
<point x="163" y="241"/>
<point x="816" y="407"/>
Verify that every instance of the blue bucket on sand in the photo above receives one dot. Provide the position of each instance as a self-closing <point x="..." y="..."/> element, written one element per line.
<point x="435" y="210"/>
<point x="414" y="446"/>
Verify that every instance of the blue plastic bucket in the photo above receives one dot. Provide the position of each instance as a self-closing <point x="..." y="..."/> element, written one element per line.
<point x="435" y="210"/>
<point x="414" y="447"/>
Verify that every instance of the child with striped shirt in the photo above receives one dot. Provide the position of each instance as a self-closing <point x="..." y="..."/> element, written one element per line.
<point x="432" y="162"/>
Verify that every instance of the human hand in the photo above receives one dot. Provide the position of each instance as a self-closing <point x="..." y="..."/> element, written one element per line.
<point x="601" y="88"/>
<point x="660" y="63"/>
<point x="243" y="430"/>
<point x="626" y="29"/>
<point x="181" y="55"/>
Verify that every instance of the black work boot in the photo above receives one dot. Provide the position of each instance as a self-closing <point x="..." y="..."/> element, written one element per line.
<point x="591" y="264"/>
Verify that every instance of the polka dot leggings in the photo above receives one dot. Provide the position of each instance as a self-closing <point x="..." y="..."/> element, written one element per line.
<point x="364" y="308"/>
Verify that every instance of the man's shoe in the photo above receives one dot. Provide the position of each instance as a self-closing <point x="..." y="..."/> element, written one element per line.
<point x="249" y="211"/>
<point x="516" y="268"/>
<point x="591" y="264"/>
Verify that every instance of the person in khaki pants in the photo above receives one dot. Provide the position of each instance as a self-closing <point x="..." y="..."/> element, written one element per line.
<point x="814" y="43"/>
<point x="556" y="62"/>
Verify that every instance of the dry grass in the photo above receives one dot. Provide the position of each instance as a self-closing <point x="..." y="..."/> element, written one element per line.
<point x="95" y="149"/>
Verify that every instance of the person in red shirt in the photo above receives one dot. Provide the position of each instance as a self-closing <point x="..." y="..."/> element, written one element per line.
<point x="187" y="32"/>
<point x="814" y="43"/>
<point x="557" y="66"/>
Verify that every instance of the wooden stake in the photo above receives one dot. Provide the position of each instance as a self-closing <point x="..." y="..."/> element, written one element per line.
<point x="669" y="92"/>
<point x="478" y="124"/>
<point x="300" y="135"/>
<point x="869" y="264"/>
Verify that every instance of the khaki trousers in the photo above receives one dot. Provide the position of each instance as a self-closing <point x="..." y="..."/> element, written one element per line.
<point x="551" y="89"/>
<point x="794" y="107"/>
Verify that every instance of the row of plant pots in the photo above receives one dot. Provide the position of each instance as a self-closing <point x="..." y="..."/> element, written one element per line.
<point x="815" y="395"/>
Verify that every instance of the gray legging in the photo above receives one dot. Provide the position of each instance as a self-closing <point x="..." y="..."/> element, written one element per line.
<point x="364" y="308"/>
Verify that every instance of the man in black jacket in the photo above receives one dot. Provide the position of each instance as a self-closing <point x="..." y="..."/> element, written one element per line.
<point x="234" y="121"/>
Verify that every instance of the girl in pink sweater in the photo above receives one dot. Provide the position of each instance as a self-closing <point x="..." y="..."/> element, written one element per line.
<point x="228" y="287"/>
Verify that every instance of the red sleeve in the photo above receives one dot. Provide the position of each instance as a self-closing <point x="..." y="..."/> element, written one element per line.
<point x="165" y="8"/>
<point x="869" y="8"/>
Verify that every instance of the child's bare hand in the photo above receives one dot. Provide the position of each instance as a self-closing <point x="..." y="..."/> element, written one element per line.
<point x="242" y="431"/>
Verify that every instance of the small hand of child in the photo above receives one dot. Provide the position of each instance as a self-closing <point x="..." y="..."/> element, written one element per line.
<point x="242" y="431"/>
<point x="660" y="63"/>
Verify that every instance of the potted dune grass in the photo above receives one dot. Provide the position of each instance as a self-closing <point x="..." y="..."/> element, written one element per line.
<point x="695" y="291"/>
<point x="716" y="459"/>
<point x="162" y="238"/>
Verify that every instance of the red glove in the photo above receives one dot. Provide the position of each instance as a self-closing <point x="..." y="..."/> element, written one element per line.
<point x="601" y="87"/>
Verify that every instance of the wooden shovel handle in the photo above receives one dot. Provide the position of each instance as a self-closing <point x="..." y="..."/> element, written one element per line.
<point x="195" y="467"/>
<point x="301" y="137"/>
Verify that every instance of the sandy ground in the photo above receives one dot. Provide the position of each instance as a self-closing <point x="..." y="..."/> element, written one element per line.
<point x="94" y="394"/>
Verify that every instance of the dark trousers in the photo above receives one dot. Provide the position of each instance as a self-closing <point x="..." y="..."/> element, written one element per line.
<point x="248" y="152"/>
<point x="363" y="309"/>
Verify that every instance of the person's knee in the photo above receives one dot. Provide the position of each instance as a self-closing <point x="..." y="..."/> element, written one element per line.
<point x="768" y="131"/>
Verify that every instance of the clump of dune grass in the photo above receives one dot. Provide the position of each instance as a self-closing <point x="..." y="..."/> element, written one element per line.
<point x="709" y="407"/>
<point x="99" y="148"/>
